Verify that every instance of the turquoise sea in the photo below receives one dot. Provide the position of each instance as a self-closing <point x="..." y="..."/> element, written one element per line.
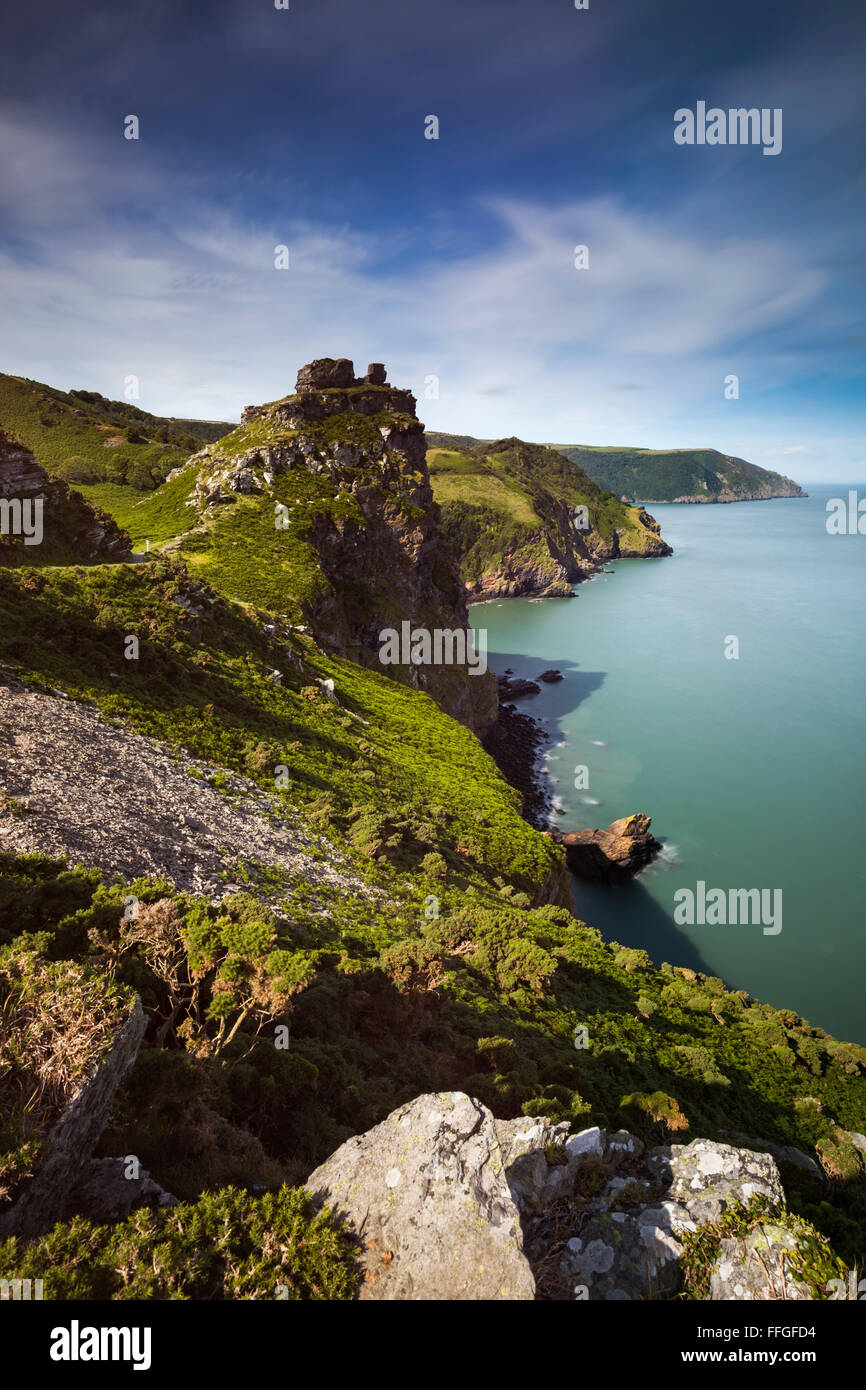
<point x="752" y="769"/>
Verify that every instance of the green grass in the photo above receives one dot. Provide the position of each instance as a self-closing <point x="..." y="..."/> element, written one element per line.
<point x="82" y="436"/>
<point x="510" y="498"/>
<point x="455" y="478"/>
<point x="157" y="517"/>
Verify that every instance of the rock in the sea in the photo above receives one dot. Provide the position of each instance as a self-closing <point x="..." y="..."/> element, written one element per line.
<point x="513" y="687"/>
<point x="86" y="534"/>
<point x="612" y="855"/>
<point x="707" y="1178"/>
<point x="427" y="1195"/>
<point x="550" y="677"/>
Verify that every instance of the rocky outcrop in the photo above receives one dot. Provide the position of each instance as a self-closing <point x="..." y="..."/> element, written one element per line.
<point x="757" y="1267"/>
<point x="612" y="855"/>
<point x="524" y="521"/>
<point x="72" y="1140"/>
<point x="111" y="1189"/>
<point x="426" y="1194"/>
<point x="329" y="374"/>
<point x="515" y="687"/>
<point x="358" y="447"/>
<point x="449" y="1203"/>
<point x="72" y="531"/>
<point x="679" y="475"/>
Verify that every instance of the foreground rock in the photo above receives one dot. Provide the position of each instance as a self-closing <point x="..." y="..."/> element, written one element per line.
<point x="612" y="855"/>
<point x="354" y="449"/>
<point x="111" y="1189"/>
<point x="603" y="1219"/>
<point x="72" y="1140"/>
<point x="450" y="1203"/>
<point x="427" y="1195"/>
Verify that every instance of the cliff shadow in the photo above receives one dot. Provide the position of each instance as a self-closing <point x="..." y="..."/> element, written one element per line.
<point x="555" y="699"/>
<point x="627" y="913"/>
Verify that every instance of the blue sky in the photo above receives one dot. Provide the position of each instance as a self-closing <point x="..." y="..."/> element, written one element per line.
<point x="450" y="258"/>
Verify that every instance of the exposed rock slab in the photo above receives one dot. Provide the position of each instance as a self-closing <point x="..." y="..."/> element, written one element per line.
<point x="427" y="1195"/>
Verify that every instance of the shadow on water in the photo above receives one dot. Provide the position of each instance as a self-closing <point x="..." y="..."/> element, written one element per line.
<point x="554" y="701"/>
<point x="627" y="913"/>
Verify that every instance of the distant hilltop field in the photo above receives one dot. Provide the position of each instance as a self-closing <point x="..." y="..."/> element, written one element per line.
<point x="646" y="476"/>
<point x="679" y="475"/>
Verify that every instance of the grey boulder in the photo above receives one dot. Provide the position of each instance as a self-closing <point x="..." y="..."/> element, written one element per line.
<point x="425" y="1192"/>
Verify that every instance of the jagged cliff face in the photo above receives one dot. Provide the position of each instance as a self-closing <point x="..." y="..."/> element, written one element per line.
<point x="522" y="520"/>
<point x="337" y="475"/>
<point x="62" y="529"/>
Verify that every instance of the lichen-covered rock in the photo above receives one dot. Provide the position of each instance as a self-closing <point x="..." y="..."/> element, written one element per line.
<point x="757" y="1266"/>
<point x="634" y="1252"/>
<point x="623" y="1255"/>
<point x="707" y="1178"/>
<point x="783" y="1153"/>
<point x="427" y="1195"/>
<point x="363" y="523"/>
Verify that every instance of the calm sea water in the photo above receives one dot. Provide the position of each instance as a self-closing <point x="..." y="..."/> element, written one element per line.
<point x="753" y="770"/>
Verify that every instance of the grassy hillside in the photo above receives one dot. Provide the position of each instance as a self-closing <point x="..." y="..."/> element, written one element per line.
<point x="385" y="1001"/>
<point x="675" y="475"/>
<point x="509" y="513"/>
<point x="83" y="437"/>
<point x="656" y="475"/>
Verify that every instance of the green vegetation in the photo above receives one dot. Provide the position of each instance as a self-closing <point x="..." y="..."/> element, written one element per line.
<point x="85" y="438"/>
<point x="227" y="1245"/>
<point x="651" y="475"/>
<point x="452" y="961"/>
<point x="812" y="1261"/>
<point x="664" y="475"/>
<point x="516" y="500"/>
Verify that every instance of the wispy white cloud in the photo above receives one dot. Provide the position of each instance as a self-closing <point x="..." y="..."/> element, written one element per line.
<point x="184" y="295"/>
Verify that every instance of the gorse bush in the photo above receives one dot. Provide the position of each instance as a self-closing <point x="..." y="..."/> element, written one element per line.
<point x="227" y="1245"/>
